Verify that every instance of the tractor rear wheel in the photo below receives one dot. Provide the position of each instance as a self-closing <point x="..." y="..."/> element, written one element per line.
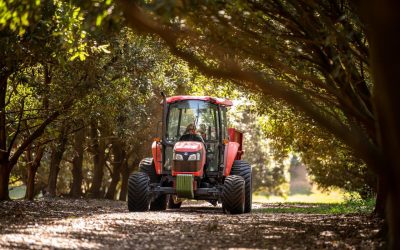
<point x="138" y="192"/>
<point x="233" y="194"/>
<point x="174" y="203"/>
<point x="242" y="168"/>
<point x="160" y="203"/>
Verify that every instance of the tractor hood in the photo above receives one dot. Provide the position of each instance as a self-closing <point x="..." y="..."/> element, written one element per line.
<point x="189" y="157"/>
<point x="188" y="146"/>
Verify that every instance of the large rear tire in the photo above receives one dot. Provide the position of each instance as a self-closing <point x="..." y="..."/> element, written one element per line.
<point x="160" y="203"/>
<point x="138" y="192"/>
<point x="242" y="168"/>
<point x="233" y="194"/>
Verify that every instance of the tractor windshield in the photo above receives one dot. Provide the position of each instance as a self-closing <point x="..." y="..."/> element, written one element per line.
<point x="192" y="117"/>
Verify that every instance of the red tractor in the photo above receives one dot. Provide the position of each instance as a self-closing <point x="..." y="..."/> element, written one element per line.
<point x="198" y="157"/>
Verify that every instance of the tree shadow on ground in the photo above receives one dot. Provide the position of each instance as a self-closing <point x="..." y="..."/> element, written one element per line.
<point x="107" y="224"/>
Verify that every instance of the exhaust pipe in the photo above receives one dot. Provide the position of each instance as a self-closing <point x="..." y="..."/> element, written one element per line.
<point x="164" y="119"/>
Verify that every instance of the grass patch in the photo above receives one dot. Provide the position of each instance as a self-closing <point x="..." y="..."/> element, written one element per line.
<point x="335" y="201"/>
<point x="17" y="192"/>
<point x="347" y="207"/>
<point x="317" y="196"/>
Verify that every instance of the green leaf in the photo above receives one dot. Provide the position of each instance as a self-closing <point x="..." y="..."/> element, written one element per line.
<point x="76" y="12"/>
<point x="82" y="56"/>
<point x="99" y="19"/>
<point x="73" y="57"/>
<point x="24" y="19"/>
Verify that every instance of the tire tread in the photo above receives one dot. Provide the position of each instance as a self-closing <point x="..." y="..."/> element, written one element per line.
<point x="243" y="169"/>
<point x="233" y="194"/>
<point x="138" y="196"/>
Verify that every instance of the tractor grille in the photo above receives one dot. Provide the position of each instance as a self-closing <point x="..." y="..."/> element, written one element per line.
<point x="186" y="166"/>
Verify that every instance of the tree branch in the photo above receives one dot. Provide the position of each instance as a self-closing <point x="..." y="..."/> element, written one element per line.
<point x="38" y="132"/>
<point x="19" y="125"/>
<point x="355" y="139"/>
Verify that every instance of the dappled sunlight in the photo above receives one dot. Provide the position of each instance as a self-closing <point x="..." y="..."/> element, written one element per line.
<point x="107" y="224"/>
<point x="36" y="241"/>
<point x="315" y="92"/>
<point x="335" y="196"/>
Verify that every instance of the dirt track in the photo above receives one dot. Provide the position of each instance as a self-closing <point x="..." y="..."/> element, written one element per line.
<point x="71" y="224"/>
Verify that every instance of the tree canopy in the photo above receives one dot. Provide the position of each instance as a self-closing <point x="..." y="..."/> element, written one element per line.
<point x="79" y="89"/>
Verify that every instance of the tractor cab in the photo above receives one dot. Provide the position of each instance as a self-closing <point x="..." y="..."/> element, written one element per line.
<point x="197" y="157"/>
<point x="195" y="132"/>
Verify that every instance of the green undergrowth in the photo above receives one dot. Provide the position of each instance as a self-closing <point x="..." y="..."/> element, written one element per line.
<point x="17" y="192"/>
<point x="346" y="207"/>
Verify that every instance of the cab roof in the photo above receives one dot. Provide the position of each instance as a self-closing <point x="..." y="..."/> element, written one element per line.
<point x="219" y="101"/>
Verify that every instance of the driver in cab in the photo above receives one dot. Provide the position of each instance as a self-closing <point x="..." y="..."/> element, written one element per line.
<point x="191" y="129"/>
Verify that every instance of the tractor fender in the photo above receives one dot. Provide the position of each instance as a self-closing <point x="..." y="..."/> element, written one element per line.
<point x="231" y="150"/>
<point x="157" y="156"/>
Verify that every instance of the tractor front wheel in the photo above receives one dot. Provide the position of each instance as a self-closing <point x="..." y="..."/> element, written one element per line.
<point x="138" y="192"/>
<point x="147" y="166"/>
<point x="233" y="194"/>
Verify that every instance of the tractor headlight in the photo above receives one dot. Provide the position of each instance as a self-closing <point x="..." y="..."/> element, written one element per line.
<point x="177" y="157"/>
<point x="194" y="157"/>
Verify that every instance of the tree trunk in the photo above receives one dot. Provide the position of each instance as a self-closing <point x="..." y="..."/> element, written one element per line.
<point x="124" y="184"/>
<point x="32" y="170"/>
<point x="381" y="197"/>
<point x="383" y="24"/>
<point x="30" y="183"/>
<point x="5" y="171"/>
<point x="118" y="163"/>
<point x="98" y="148"/>
<point x="393" y="216"/>
<point x="4" y="161"/>
<point x="57" y="153"/>
<point x="77" y="176"/>
<point x="125" y="172"/>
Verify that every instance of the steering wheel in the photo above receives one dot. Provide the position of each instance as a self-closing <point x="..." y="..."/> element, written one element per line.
<point x="191" y="137"/>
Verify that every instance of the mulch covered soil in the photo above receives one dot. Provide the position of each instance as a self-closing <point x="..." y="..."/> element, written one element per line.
<point x="98" y="224"/>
